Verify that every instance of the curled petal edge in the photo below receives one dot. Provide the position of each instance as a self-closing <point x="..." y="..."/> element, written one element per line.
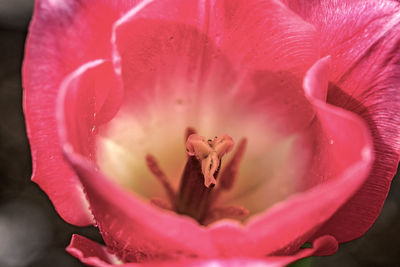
<point x="280" y="229"/>
<point x="94" y="254"/>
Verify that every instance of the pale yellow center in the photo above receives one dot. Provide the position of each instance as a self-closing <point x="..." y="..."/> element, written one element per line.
<point x="270" y="170"/>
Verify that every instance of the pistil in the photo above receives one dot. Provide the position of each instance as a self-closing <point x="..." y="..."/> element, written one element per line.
<point x="193" y="196"/>
<point x="196" y="195"/>
<point x="209" y="153"/>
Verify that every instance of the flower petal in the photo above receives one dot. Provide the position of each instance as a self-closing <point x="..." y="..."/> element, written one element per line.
<point x="129" y="226"/>
<point x="189" y="65"/>
<point x="263" y="35"/>
<point x="90" y="252"/>
<point x="199" y="50"/>
<point x="340" y="164"/>
<point x="89" y="101"/>
<point x="270" y="48"/>
<point x="363" y="40"/>
<point x="62" y="36"/>
<point x="253" y="34"/>
<point x="135" y="230"/>
<point x="94" y="254"/>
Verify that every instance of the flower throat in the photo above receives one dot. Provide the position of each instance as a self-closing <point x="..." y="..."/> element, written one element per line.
<point x="202" y="179"/>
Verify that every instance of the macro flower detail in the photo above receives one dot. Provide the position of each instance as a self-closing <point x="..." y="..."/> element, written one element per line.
<point x="223" y="133"/>
<point x="196" y="196"/>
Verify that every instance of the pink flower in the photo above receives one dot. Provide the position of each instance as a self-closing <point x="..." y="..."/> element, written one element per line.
<point x="307" y="91"/>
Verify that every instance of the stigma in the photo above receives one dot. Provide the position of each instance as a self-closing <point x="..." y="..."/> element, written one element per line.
<point x="209" y="153"/>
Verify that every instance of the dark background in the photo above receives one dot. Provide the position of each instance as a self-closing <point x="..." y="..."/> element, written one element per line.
<point x="31" y="232"/>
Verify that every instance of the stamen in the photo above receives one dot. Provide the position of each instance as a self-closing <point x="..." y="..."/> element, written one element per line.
<point x="155" y="169"/>
<point x="209" y="153"/>
<point x="225" y="212"/>
<point x="230" y="171"/>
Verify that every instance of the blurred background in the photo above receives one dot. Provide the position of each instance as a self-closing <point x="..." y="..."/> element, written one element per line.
<point x="31" y="232"/>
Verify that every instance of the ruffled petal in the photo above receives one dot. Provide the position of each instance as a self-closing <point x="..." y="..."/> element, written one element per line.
<point x="62" y="36"/>
<point x="341" y="160"/>
<point x="363" y="40"/>
<point x="94" y="254"/>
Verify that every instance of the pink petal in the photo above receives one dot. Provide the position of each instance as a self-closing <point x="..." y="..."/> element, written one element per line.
<point x="129" y="226"/>
<point x="89" y="101"/>
<point x="62" y="36"/>
<point x="281" y="230"/>
<point x="118" y="214"/>
<point x="90" y="252"/>
<point x="277" y="47"/>
<point x="94" y="254"/>
<point x="135" y="230"/>
<point x="263" y="35"/>
<point x="176" y="68"/>
<point x="250" y="52"/>
<point x="189" y="64"/>
<point x="362" y="38"/>
<point x="341" y="162"/>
